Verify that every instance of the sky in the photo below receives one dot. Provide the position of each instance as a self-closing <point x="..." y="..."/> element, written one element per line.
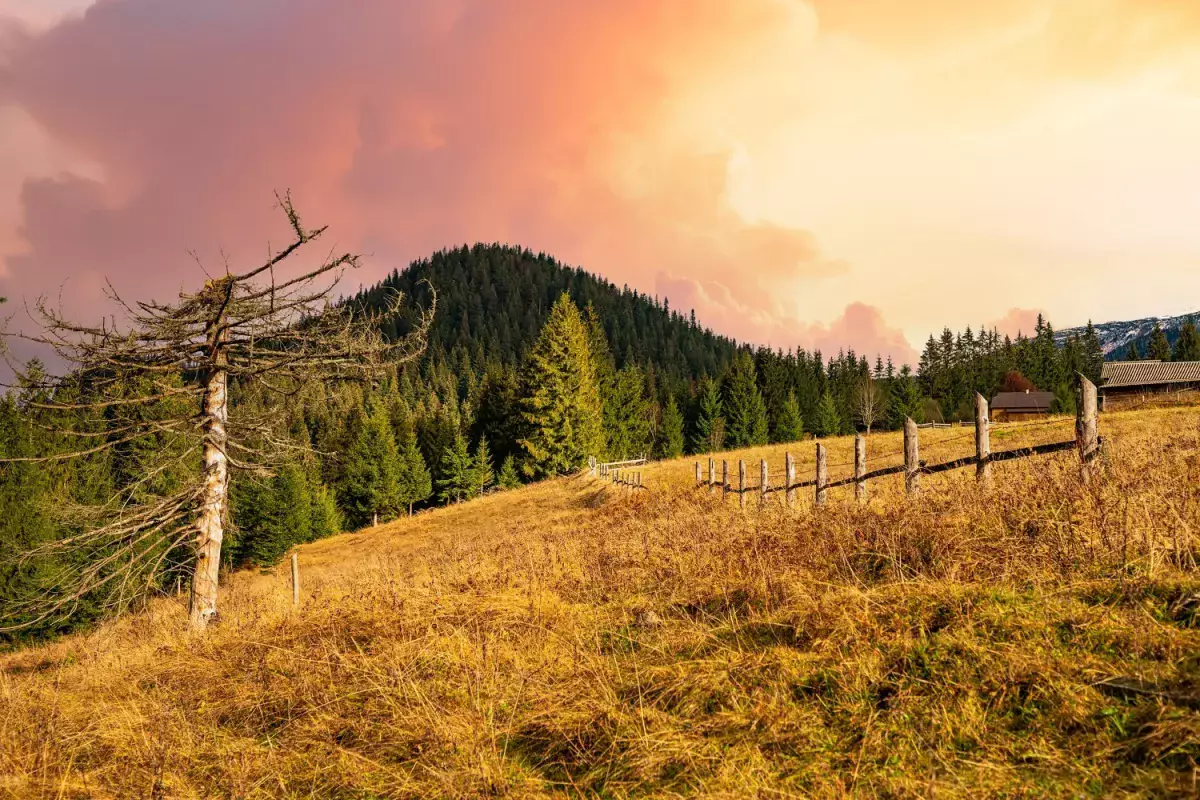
<point x="813" y="173"/>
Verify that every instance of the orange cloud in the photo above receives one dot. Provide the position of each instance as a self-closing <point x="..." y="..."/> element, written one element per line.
<point x="406" y="126"/>
<point x="1017" y="321"/>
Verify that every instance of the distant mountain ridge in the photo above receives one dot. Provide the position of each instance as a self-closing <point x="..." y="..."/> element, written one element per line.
<point x="1115" y="337"/>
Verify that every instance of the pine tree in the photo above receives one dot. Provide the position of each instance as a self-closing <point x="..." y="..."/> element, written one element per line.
<point x="1131" y="352"/>
<point x="482" y="476"/>
<point x="670" y="440"/>
<point x="458" y="480"/>
<point x="416" y="484"/>
<point x="627" y="420"/>
<point x="370" y="488"/>
<point x="508" y="478"/>
<point x="906" y="400"/>
<point x="1091" y="353"/>
<point x="1187" y="346"/>
<point x="829" y="419"/>
<point x="745" y="411"/>
<point x="709" y="433"/>
<point x="326" y="519"/>
<point x="273" y="515"/>
<point x="790" y="425"/>
<point x="1159" y="348"/>
<point x="560" y="400"/>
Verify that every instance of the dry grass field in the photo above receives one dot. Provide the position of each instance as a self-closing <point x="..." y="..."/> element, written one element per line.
<point x="1038" y="639"/>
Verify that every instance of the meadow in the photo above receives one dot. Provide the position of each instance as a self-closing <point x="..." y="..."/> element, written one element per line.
<point x="1038" y="637"/>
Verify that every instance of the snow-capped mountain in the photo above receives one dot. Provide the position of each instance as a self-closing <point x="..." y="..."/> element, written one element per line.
<point x="1116" y="336"/>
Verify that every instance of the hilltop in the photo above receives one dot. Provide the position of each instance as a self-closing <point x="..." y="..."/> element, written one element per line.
<point x="567" y="639"/>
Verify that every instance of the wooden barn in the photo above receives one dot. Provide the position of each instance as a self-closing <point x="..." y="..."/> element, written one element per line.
<point x="1026" y="405"/>
<point x="1129" y="383"/>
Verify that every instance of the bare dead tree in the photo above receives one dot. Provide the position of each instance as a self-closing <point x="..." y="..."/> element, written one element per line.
<point x="869" y="403"/>
<point x="144" y="373"/>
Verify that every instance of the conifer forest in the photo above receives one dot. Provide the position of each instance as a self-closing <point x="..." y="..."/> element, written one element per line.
<point x="528" y="369"/>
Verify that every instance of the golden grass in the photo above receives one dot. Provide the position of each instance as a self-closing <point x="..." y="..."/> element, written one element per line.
<point x="570" y="639"/>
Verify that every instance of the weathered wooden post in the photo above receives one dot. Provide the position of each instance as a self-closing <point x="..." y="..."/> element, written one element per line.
<point x="860" y="468"/>
<point x="789" y="478"/>
<point x="295" y="580"/>
<point x="724" y="478"/>
<point x="712" y="476"/>
<point x="741" y="483"/>
<point x="983" y="441"/>
<point x="698" y="475"/>
<point x="912" y="458"/>
<point x="822" y="475"/>
<point x="1087" y="428"/>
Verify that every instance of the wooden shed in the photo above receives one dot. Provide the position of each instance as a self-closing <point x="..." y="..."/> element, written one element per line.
<point x="1026" y="405"/>
<point x="1128" y="383"/>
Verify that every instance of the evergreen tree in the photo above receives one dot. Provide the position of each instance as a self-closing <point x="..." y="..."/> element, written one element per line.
<point x="1159" y="348"/>
<point x="370" y="488"/>
<point x="459" y="476"/>
<point x="508" y="478"/>
<point x="1131" y="352"/>
<point x="828" y="420"/>
<point x="627" y="422"/>
<point x="790" y="425"/>
<point x="483" y="476"/>
<point x="1091" y="354"/>
<point x="326" y="519"/>
<point x="708" y="435"/>
<point x="560" y="400"/>
<point x="745" y="411"/>
<point x="416" y="484"/>
<point x="1187" y="346"/>
<point x="906" y="399"/>
<point x="670" y="441"/>
<point x="272" y="515"/>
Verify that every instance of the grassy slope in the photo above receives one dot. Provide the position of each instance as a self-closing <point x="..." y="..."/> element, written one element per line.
<point x="568" y="639"/>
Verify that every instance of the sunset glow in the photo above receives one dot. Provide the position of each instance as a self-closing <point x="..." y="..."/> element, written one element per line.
<point x="832" y="173"/>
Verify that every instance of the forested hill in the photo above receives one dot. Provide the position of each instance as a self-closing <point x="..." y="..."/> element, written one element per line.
<point x="494" y="299"/>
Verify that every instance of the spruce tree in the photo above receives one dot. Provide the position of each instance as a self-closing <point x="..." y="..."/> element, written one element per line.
<point x="560" y="400"/>
<point x="627" y="422"/>
<point x="326" y="519"/>
<point x="416" y="484"/>
<point x="1091" y="353"/>
<point x="906" y="399"/>
<point x="1187" y="346"/>
<point x="829" y="419"/>
<point x="670" y="440"/>
<point x="1159" y="348"/>
<point x="790" y="425"/>
<point x="1131" y="352"/>
<point x="508" y="477"/>
<point x="458" y="474"/>
<point x="745" y="411"/>
<point x="482" y="475"/>
<point x="709" y="433"/>
<point x="370" y="488"/>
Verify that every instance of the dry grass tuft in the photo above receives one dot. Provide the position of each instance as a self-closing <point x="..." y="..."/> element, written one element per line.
<point x="1039" y="639"/>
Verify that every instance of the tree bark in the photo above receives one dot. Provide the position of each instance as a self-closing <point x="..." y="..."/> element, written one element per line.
<point x="214" y="499"/>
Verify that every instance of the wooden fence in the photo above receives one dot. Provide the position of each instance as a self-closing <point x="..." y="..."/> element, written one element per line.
<point x="619" y="473"/>
<point x="1087" y="441"/>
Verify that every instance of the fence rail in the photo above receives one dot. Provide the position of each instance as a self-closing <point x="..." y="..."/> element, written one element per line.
<point x="618" y="474"/>
<point x="1087" y="441"/>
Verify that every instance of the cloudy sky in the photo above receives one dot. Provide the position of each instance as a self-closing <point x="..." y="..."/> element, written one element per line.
<point x="801" y="172"/>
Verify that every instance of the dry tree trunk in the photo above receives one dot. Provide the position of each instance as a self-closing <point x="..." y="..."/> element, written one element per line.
<point x="214" y="501"/>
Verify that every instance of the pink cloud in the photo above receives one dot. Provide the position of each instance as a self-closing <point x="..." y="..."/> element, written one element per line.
<point x="407" y="126"/>
<point x="1017" y="320"/>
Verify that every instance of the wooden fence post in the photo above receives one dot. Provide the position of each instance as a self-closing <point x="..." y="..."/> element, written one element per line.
<point x="741" y="483"/>
<point x="295" y="580"/>
<point x="983" y="441"/>
<point x="789" y="472"/>
<point x="912" y="458"/>
<point x="1087" y="432"/>
<point x="860" y="468"/>
<point x="822" y="474"/>
<point x="724" y="478"/>
<point x="712" y="476"/>
<point x="764" y="480"/>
